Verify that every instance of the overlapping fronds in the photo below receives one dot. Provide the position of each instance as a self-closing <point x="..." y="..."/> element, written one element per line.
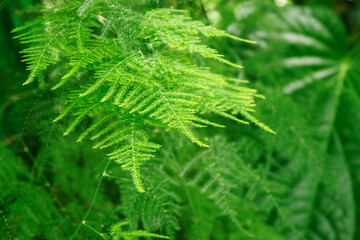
<point x="180" y="32"/>
<point x="124" y="77"/>
<point x="126" y="62"/>
<point x="158" y="209"/>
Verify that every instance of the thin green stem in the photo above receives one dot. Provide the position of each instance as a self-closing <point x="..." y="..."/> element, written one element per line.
<point x="117" y="178"/>
<point x="94" y="230"/>
<point x="83" y="220"/>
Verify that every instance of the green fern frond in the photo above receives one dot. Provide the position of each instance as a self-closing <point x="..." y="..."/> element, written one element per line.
<point x="136" y="150"/>
<point x="112" y="130"/>
<point x="132" y="75"/>
<point x="117" y="233"/>
<point x="158" y="209"/>
<point x="181" y="32"/>
<point x="95" y="52"/>
<point x="43" y="54"/>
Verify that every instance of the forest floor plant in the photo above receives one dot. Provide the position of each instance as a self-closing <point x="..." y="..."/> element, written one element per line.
<point x="127" y="123"/>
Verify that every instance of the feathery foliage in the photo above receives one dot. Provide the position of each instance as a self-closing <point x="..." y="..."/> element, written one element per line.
<point x="136" y="82"/>
<point x="122" y="78"/>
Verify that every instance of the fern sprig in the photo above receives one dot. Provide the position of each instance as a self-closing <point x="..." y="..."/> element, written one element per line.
<point x="133" y="80"/>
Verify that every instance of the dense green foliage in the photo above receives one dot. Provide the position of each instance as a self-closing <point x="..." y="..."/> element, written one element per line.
<point x="157" y="89"/>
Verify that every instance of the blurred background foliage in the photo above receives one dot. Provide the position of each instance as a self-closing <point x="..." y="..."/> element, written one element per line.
<point x="303" y="183"/>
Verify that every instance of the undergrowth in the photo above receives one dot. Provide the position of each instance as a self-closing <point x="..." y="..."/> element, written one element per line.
<point x="133" y="120"/>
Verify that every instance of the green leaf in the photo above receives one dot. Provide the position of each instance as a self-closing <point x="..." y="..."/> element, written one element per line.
<point x="316" y="66"/>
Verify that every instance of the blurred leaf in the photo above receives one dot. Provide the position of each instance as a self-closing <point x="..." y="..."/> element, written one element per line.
<point x="312" y="61"/>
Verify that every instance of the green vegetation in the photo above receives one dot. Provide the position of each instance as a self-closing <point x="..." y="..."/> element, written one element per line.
<point x="180" y="119"/>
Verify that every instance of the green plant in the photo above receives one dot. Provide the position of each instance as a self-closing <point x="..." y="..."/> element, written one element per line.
<point x="124" y="78"/>
<point x="133" y="80"/>
<point x="315" y="65"/>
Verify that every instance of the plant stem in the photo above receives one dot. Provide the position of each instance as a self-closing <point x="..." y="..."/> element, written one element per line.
<point x="83" y="220"/>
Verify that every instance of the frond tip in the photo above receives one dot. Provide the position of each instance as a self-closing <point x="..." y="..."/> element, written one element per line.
<point x="117" y="233"/>
<point x="133" y="153"/>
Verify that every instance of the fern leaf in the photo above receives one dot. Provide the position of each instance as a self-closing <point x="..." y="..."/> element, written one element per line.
<point x="181" y="32"/>
<point x="126" y="60"/>
<point x="41" y="56"/>
<point x="133" y="153"/>
<point x="117" y="233"/>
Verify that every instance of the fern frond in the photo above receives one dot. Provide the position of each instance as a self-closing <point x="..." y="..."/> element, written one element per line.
<point x="125" y="131"/>
<point x="180" y="32"/>
<point x="136" y="150"/>
<point x="158" y="209"/>
<point x="217" y="179"/>
<point x="132" y="75"/>
<point x="95" y="52"/>
<point x="117" y="233"/>
<point x="44" y="53"/>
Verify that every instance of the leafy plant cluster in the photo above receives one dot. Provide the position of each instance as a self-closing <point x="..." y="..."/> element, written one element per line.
<point x="138" y="86"/>
<point x="133" y="79"/>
